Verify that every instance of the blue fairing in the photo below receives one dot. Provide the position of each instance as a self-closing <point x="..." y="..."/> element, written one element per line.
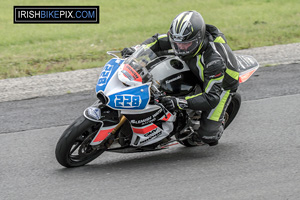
<point x="133" y="98"/>
<point x="108" y="70"/>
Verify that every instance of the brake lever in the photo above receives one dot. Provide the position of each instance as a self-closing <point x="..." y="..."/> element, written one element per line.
<point x="155" y="101"/>
<point x="156" y="96"/>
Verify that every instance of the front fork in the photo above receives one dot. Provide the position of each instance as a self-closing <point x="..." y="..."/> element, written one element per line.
<point x="122" y="121"/>
<point x="107" y="142"/>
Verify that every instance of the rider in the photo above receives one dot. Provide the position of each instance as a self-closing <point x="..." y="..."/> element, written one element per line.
<point x="205" y="50"/>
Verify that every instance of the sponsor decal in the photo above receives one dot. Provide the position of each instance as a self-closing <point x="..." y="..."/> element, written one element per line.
<point x="150" y="132"/>
<point x="173" y="79"/>
<point x="146" y="120"/>
<point x="152" y="137"/>
<point x="130" y="73"/>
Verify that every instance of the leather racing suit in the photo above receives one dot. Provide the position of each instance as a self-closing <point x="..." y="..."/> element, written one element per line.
<point x="217" y="70"/>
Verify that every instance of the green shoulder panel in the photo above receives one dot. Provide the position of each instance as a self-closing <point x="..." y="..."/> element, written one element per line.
<point x="219" y="39"/>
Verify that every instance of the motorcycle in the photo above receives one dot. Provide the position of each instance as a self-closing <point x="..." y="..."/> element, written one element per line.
<point x="128" y="117"/>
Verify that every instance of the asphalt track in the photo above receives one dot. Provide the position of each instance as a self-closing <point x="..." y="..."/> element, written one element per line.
<point x="257" y="158"/>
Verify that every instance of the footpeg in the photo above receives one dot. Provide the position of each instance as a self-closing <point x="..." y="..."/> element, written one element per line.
<point x="189" y="131"/>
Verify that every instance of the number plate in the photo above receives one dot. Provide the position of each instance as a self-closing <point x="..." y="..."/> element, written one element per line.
<point x="128" y="101"/>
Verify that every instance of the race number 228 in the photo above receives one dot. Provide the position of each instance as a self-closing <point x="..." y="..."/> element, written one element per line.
<point x="128" y="101"/>
<point x="104" y="75"/>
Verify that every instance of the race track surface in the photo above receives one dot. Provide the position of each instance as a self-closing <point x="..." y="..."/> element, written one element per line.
<point x="257" y="158"/>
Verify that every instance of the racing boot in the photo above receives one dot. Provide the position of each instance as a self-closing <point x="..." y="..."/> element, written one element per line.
<point x="210" y="140"/>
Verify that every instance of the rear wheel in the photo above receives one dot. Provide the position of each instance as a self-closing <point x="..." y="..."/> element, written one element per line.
<point x="232" y="109"/>
<point x="73" y="148"/>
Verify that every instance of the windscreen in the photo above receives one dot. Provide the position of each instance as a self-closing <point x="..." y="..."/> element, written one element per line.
<point x="134" y="67"/>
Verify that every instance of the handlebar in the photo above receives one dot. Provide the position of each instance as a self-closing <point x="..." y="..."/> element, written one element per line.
<point x="112" y="53"/>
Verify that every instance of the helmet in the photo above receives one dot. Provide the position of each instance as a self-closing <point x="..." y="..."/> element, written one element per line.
<point x="187" y="33"/>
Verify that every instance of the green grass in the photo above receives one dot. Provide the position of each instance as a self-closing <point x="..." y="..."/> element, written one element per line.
<point x="31" y="49"/>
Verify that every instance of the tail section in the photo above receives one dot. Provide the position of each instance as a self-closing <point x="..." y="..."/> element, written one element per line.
<point x="247" y="66"/>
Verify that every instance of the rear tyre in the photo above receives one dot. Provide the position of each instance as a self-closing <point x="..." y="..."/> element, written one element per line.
<point x="232" y="109"/>
<point x="73" y="149"/>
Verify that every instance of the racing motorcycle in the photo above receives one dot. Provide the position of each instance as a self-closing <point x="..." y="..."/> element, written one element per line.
<point x="128" y="116"/>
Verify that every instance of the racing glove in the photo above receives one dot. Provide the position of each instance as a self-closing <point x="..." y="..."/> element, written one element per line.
<point x="173" y="103"/>
<point x="128" y="51"/>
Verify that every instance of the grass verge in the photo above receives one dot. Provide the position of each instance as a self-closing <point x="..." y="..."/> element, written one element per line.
<point x="31" y="49"/>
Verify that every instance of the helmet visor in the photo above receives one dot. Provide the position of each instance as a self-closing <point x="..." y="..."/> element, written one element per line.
<point x="185" y="47"/>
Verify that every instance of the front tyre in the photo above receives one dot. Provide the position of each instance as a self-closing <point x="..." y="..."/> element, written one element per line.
<point x="73" y="149"/>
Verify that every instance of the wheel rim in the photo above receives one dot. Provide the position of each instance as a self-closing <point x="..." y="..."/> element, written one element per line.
<point x="226" y="117"/>
<point x="81" y="149"/>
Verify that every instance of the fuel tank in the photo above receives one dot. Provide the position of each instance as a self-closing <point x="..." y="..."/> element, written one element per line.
<point x="173" y="77"/>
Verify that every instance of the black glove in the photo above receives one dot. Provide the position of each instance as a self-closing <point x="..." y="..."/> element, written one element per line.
<point x="173" y="103"/>
<point x="126" y="52"/>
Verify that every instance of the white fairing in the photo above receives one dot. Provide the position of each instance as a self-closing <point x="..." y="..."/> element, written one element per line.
<point x="164" y="69"/>
<point x="148" y="108"/>
<point x="114" y="85"/>
<point x="152" y="135"/>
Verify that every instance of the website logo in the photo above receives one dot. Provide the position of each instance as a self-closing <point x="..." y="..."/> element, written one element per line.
<point x="56" y="14"/>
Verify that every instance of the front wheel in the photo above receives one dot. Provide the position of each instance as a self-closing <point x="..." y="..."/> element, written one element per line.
<point x="73" y="149"/>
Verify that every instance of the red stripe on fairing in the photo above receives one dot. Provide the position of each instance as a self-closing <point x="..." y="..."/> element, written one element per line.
<point x="102" y="134"/>
<point x="166" y="118"/>
<point x="163" y="147"/>
<point x="145" y="129"/>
